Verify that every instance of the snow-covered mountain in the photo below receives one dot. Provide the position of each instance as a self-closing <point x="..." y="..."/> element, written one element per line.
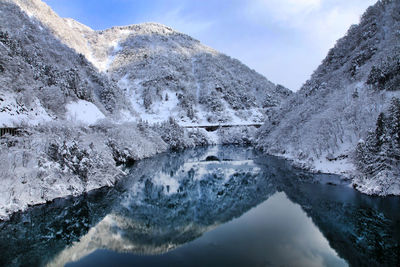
<point x="166" y="73"/>
<point x="81" y="99"/>
<point x="320" y="126"/>
<point x="42" y="79"/>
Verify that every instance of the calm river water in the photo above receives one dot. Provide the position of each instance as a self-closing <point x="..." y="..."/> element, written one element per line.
<point x="213" y="206"/>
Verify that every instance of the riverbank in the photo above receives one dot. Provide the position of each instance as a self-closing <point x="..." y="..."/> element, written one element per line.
<point x="61" y="159"/>
<point x="175" y="201"/>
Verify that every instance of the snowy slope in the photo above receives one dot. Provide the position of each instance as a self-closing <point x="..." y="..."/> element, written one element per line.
<point x="166" y="73"/>
<point x="39" y="70"/>
<point x="79" y="95"/>
<point x="84" y="112"/>
<point x="68" y="31"/>
<point x="13" y="112"/>
<point x="320" y="126"/>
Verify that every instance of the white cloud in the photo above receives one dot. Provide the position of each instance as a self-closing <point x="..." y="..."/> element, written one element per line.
<point x="311" y="26"/>
<point x="178" y="20"/>
<point x="307" y="15"/>
<point x="284" y="9"/>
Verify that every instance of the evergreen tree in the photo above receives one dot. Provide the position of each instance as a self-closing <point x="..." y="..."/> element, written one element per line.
<point x="394" y="115"/>
<point x="380" y="130"/>
<point x="394" y="128"/>
<point x="381" y="150"/>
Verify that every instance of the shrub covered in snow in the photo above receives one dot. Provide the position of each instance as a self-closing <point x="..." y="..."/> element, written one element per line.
<point x="59" y="159"/>
<point x="237" y="135"/>
<point x="385" y="76"/>
<point x="130" y="142"/>
<point x="172" y="134"/>
<point x="199" y="137"/>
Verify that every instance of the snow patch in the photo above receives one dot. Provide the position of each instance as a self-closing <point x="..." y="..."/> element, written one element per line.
<point x="115" y="49"/>
<point x="342" y="166"/>
<point x="83" y="112"/>
<point x="159" y="111"/>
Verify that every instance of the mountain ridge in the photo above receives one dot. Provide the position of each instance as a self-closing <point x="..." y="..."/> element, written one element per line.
<point x="144" y="48"/>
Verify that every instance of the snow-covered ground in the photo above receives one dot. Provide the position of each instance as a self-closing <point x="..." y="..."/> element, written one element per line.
<point x="342" y="166"/>
<point x="82" y="111"/>
<point x="14" y="113"/>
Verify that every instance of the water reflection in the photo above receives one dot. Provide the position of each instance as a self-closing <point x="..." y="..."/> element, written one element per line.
<point x="169" y="206"/>
<point x="275" y="233"/>
<point x="209" y="206"/>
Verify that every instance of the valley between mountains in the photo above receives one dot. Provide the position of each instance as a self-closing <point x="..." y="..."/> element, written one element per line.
<point x="87" y="103"/>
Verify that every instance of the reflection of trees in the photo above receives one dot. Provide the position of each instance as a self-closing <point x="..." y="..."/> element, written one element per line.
<point x="148" y="219"/>
<point x="33" y="237"/>
<point x="141" y="211"/>
<point x="176" y="218"/>
<point x="363" y="230"/>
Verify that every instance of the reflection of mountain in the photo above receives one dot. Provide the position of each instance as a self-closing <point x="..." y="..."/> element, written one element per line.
<point x="363" y="230"/>
<point x="174" y="198"/>
<point x="360" y="233"/>
<point x="166" y="201"/>
<point x="168" y="207"/>
<point x="32" y="238"/>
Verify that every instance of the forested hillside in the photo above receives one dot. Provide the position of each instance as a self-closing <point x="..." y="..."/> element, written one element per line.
<point x="319" y="126"/>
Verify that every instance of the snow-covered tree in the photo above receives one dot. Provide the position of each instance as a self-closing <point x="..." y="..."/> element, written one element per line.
<point x="380" y="152"/>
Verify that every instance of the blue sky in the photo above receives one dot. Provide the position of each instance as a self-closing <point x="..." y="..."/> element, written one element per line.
<point x="285" y="40"/>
